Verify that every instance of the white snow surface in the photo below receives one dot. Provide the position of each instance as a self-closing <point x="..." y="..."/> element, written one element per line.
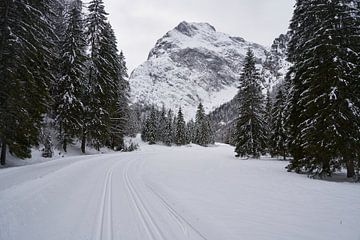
<point x="194" y="63"/>
<point x="173" y="193"/>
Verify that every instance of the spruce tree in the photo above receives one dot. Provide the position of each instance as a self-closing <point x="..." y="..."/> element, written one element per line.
<point x="278" y="132"/>
<point x="71" y="85"/>
<point x="102" y="77"/>
<point x="269" y="119"/>
<point x="118" y="107"/>
<point x="250" y="128"/>
<point x="26" y="38"/>
<point x="152" y="127"/>
<point x="161" y="132"/>
<point x="180" y="134"/>
<point x="202" y="127"/>
<point x="190" y="131"/>
<point x="324" y="49"/>
<point x="169" y="129"/>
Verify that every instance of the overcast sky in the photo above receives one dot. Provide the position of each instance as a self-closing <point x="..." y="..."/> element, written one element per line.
<point x="139" y="24"/>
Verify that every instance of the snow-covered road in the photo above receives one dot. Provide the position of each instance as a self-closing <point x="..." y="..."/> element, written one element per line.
<point x="162" y="193"/>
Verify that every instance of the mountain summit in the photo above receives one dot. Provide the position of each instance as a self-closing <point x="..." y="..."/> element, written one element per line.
<point x="194" y="63"/>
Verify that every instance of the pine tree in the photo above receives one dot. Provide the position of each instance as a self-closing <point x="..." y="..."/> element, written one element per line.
<point x="190" y="131"/>
<point x="161" y="133"/>
<point x="279" y="133"/>
<point x="103" y="77"/>
<point x="26" y="35"/>
<point x="58" y="15"/>
<point x="250" y="128"/>
<point x="202" y="127"/>
<point x="151" y="127"/>
<point x="169" y="129"/>
<point x="70" y="86"/>
<point x="118" y="107"/>
<point x="324" y="50"/>
<point x="180" y="135"/>
<point x="269" y="119"/>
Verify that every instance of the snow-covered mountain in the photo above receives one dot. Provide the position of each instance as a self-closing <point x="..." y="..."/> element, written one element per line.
<point x="194" y="63"/>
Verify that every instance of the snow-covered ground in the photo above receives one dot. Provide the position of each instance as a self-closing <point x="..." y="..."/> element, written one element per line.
<point x="161" y="193"/>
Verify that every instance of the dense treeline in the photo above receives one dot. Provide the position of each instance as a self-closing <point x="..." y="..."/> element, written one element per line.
<point x="60" y="74"/>
<point x="169" y="128"/>
<point x="315" y="116"/>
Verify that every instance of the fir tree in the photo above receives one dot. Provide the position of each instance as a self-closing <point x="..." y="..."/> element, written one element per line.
<point x="279" y="133"/>
<point x="190" y="131"/>
<point x="169" y="129"/>
<point x="26" y="38"/>
<point x="103" y="76"/>
<point x="180" y="134"/>
<point x="324" y="50"/>
<point x="118" y="107"/>
<point x="152" y="127"/>
<point x="162" y="125"/>
<point x="250" y="128"/>
<point x="70" y="86"/>
<point x="202" y="127"/>
<point x="269" y="119"/>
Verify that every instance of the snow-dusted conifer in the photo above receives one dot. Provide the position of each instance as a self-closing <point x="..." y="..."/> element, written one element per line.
<point x="102" y="76"/>
<point x="118" y="107"/>
<point x="325" y="117"/>
<point x="162" y="122"/>
<point x="202" y="127"/>
<point x="169" y="129"/>
<point x="190" y="131"/>
<point x="152" y="127"/>
<point x="278" y="132"/>
<point x="26" y="37"/>
<point x="268" y="118"/>
<point x="250" y="128"/>
<point x="180" y="134"/>
<point x="71" y="84"/>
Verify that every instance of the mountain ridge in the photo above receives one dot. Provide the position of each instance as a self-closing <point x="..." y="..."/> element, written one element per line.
<point x="194" y="63"/>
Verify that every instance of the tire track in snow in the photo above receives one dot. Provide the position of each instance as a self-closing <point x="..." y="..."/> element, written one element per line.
<point x="182" y="222"/>
<point x="152" y="229"/>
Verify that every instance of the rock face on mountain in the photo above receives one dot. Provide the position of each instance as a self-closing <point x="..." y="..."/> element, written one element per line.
<point x="194" y="63"/>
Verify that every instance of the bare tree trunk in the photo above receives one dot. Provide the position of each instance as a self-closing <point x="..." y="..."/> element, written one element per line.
<point x="83" y="143"/>
<point x="3" y="152"/>
<point x="65" y="145"/>
<point x="350" y="167"/>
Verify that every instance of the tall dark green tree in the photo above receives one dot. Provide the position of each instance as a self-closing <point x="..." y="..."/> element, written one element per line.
<point x="103" y="77"/>
<point x="152" y="127"/>
<point x="118" y="98"/>
<point x="279" y="133"/>
<point x="169" y="129"/>
<point x="203" y="134"/>
<point x="190" y="131"/>
<point x="180" y="132"/>
<point x="250" y="128"/>
<point x="268" y="118"/>
<point x="26" y="37"/>
<point x="325" y="116"/>
<point x="162" y="125"/>
<point x="71" y="85"/>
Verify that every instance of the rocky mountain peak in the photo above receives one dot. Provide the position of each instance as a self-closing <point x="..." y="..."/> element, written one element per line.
<point x="190" y="29"/>
<point x="194" y="63"/>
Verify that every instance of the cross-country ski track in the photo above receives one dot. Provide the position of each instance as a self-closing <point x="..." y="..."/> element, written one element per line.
<point x="176" y="193"/>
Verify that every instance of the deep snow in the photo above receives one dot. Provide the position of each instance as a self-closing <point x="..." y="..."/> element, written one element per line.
<point x="173" y="193"/>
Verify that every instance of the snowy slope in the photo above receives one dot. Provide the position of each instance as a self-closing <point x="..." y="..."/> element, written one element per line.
<point x="177" y="193"/>
<point x="194" y="63"/>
